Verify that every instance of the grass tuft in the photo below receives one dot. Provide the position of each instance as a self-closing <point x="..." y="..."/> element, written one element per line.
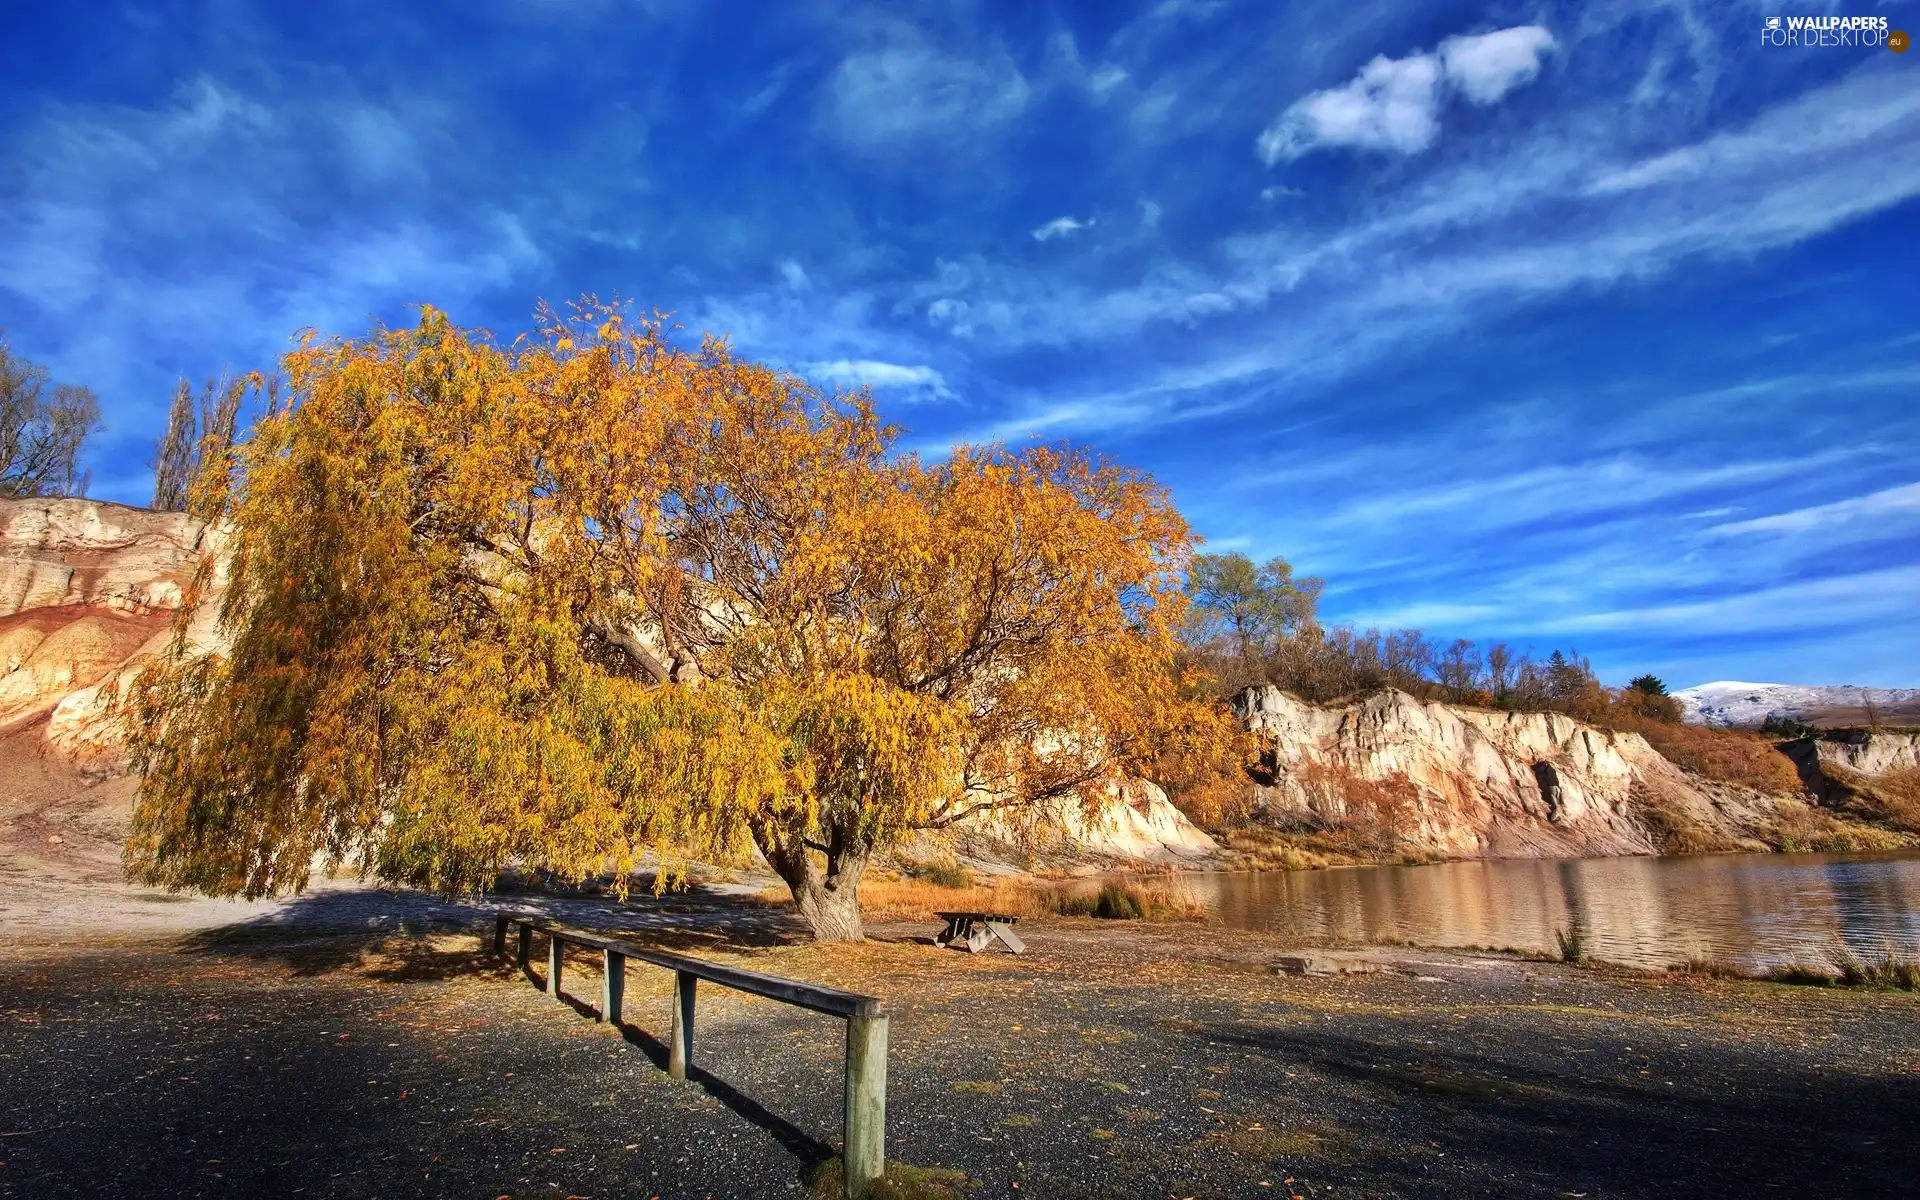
<point x="947" y="873"/>
<point x="1573" y="944"/>
<point x="1889" y="972"/>
<point x="900" y="1182"/>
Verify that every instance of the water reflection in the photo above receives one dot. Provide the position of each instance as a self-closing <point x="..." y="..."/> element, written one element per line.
<point x="1752" y="909"/>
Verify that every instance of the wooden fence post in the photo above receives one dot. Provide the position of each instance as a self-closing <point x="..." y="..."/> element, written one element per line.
<point x="556" y="951"/>
<point x="500" y="935"/>
<point x="613" y="986"/>
<point x="680" y="1025"/>
<point x="526" y="944"/>
<point x="863" y="1156"/>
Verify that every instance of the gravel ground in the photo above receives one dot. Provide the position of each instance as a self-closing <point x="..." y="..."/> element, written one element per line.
<point x="331" y="1049"/>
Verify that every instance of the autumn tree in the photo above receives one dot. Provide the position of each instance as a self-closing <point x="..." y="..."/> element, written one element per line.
<point x="43" y="426"/>
<point x="558" y="603"/>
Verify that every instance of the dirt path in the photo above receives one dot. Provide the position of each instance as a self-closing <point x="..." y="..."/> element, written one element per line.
<point x="278" y="1059"/>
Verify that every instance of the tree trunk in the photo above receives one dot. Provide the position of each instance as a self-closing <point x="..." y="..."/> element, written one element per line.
<point x="825" y="884"/>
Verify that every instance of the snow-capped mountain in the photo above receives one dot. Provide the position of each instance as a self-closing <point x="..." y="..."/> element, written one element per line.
<point x="1740" y="704"/>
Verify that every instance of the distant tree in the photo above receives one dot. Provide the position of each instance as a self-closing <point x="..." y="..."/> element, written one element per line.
<point x="1500" y="669"/>
<point x="1457" y="669"/>
<point x="1252" y="606"/>
<point x="173" y="456"/>
<point x="195" y="446"/>
<point x="1649" y="684"/>
<point x="42" y="430"/>
<point x="1778" y="726"/>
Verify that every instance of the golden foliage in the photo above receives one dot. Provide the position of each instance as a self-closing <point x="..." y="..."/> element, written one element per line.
<point x="591" y="593"/>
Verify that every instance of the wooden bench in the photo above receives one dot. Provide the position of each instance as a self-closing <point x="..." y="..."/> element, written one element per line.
<point x="977" y="930"/>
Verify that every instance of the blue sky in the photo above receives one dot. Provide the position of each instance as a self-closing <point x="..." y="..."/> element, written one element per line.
<point x="1564" y="323"/>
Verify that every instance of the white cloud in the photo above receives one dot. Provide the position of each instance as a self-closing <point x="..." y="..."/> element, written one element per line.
<point x="880" y="101"/>
<point x="795" y="275"/>
<point x="1487" y="66"/>
<point x="923" y="381"/>
<point x="1061" y="227"/>
<point x="1150" y="214"/>
<point x="1279" y="192"/>
<point x="1393" y="104"/>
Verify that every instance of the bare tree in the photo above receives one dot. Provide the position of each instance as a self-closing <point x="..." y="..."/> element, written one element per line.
<point x="1500" y="669"/>
<point x="173" y="457"/>
<point x="193" y="441"/>
<point x="43" y="427"/>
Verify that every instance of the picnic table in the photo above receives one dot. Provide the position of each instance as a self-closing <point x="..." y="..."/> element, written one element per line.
<point x="977" y="930"/>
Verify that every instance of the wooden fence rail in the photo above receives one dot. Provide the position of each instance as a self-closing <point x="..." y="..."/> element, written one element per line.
<point x="864" y="1118"/>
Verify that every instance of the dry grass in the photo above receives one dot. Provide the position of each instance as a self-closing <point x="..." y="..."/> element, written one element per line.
<point x="1844" y="968"/>
<point x="1801" y="827"/>
<point x="1891" y="798"/>
<point x="1726" y="755"/>
<point x="1674" y="829"/>
<point x="1149" y="898"/>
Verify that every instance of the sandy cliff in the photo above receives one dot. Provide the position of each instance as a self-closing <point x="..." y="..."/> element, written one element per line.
<point x="1463" y="782"/>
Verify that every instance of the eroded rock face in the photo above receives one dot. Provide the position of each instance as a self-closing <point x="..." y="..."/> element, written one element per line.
<point x="87" y="596"/>
<point x="1465" y="782"/>
<point x="1870" y="753"/>
<point x="58" y="553"/>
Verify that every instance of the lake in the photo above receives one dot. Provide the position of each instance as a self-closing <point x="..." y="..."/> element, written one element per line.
<point x="1753" y="909"/>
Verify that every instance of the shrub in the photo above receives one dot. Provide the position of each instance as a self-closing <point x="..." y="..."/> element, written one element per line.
<point x="1123" y="899"/>
<point x="1725" y="755"/>
<point x="946" y="873"/>
<point x="1132" y="900"/>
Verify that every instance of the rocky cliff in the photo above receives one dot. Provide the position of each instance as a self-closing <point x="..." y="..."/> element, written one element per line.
<point x="87" y="595"/>
<point x="1462" y="782"/>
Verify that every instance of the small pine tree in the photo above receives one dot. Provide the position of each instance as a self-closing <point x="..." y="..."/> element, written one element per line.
<point x="1649" y="684"/>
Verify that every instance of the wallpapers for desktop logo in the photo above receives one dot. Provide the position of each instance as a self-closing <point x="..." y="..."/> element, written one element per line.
<point x="1852" y="32"/>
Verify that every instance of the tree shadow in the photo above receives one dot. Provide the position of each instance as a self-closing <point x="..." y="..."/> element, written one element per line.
<point x="339" y="928"/>
<point x="1520" y="1115"/>
<point x="398" y="936"/>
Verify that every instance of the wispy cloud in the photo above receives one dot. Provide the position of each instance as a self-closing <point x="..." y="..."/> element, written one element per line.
<point x="911" y="92"/>
<point x="921" y="380"/>
<point x="1894" y="503"/>
<point x="1061" y="227"/>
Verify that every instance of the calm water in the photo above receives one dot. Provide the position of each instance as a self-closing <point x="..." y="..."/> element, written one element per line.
<point x="1755" y="909"/>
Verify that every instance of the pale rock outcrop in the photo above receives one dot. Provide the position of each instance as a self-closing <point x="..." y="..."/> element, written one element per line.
<point x="1472" y="783"/>
<point x="1866" y="752"/>
<point x="87" y="595"/>
<point x="59" y="552"/>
